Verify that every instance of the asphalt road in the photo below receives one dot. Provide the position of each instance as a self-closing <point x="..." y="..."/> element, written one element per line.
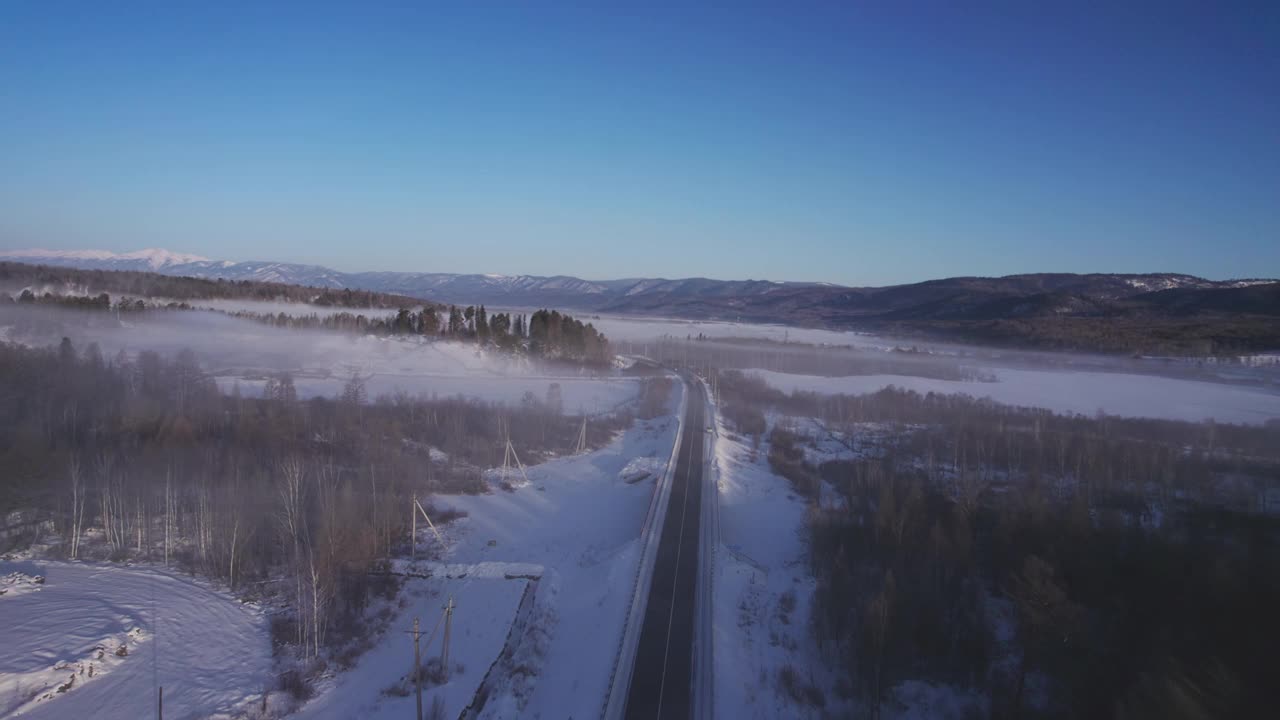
<point x="662" y="682"/>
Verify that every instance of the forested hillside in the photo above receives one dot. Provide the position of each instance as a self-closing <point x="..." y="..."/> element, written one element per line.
<point x="41" y="279"/>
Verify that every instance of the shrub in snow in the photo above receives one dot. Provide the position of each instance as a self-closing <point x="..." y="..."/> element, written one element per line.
<point x="797" y="689"/>
<point x="296" y="684"/>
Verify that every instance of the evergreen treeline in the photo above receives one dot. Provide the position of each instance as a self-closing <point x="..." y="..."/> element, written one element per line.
<point x="101" y="301"/>
<point x="1137" y="562"/>
<point x="545" y="333"/>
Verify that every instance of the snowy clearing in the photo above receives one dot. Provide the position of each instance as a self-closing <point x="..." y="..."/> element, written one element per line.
<point x="1084" y="393"/>
<point x="580" y="518"/>
<point x="576" y="526"/>
<point x="210" y="652"/>
<point x="381" y="684"/>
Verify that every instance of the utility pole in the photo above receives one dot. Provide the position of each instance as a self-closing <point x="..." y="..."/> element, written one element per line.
<point x="160" y="702"/>
<point x="417" y="654"/>
<point x="507" y="456"/>
<point x="448" y="629"/>
<point x="413" y="532"/>
<point x="417" y="667"/>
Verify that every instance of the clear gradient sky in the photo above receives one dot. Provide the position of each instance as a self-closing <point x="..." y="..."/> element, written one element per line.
<point x="859" y="145"/>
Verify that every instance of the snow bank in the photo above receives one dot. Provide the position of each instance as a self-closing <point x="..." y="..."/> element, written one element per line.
<point x="20" y="583"/>
<point x="642" y="468"/>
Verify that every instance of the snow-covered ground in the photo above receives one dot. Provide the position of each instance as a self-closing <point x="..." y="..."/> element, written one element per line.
<point x="210" y="652"/>
<point x="381" y="685"/>
<point x="638" y="329"/>
<point x="580" y="518"/>
<point x="763" y="590"/>
<point x="577" y="523"/>
<point x="1084" y="393"/>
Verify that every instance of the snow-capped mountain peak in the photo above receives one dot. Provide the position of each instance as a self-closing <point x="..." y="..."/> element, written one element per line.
<point x="158" y="257"/>
<point x="153" y="258"/>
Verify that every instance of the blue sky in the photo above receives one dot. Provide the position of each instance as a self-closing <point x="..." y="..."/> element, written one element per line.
<point x="857" y="145"/>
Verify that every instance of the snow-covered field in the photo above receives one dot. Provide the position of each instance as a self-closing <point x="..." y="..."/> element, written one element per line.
<point x="210" y="652"/>
<point x="380" y="685"/>
<point x="640" y="329"/>
<point x="1084" y="393"/>
<point x="577" y="522"/>
<point x="236" y="350"/>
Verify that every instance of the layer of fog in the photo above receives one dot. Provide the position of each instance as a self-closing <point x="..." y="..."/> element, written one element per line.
<point x="234" y="349"/>
<point x="1064" y="383"/>
<point x="292" y="309"/>
<point x="637" y="335"/>
<point x="245" y="351"/>
<point x="1084" y="393"/>
<point x="639" y="329"/>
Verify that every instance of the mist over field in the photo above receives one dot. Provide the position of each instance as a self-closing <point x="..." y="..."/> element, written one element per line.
<point x="289" y="308"/>
<point x="239" y="351"/>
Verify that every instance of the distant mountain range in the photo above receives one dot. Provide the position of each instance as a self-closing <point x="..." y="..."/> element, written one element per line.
<point x="1182" y="313"/>
<point x="461" y="289"/>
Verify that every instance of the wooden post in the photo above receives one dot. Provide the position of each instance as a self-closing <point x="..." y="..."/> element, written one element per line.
<point x="417" y="667"/>
<point x="160" y="703"/>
